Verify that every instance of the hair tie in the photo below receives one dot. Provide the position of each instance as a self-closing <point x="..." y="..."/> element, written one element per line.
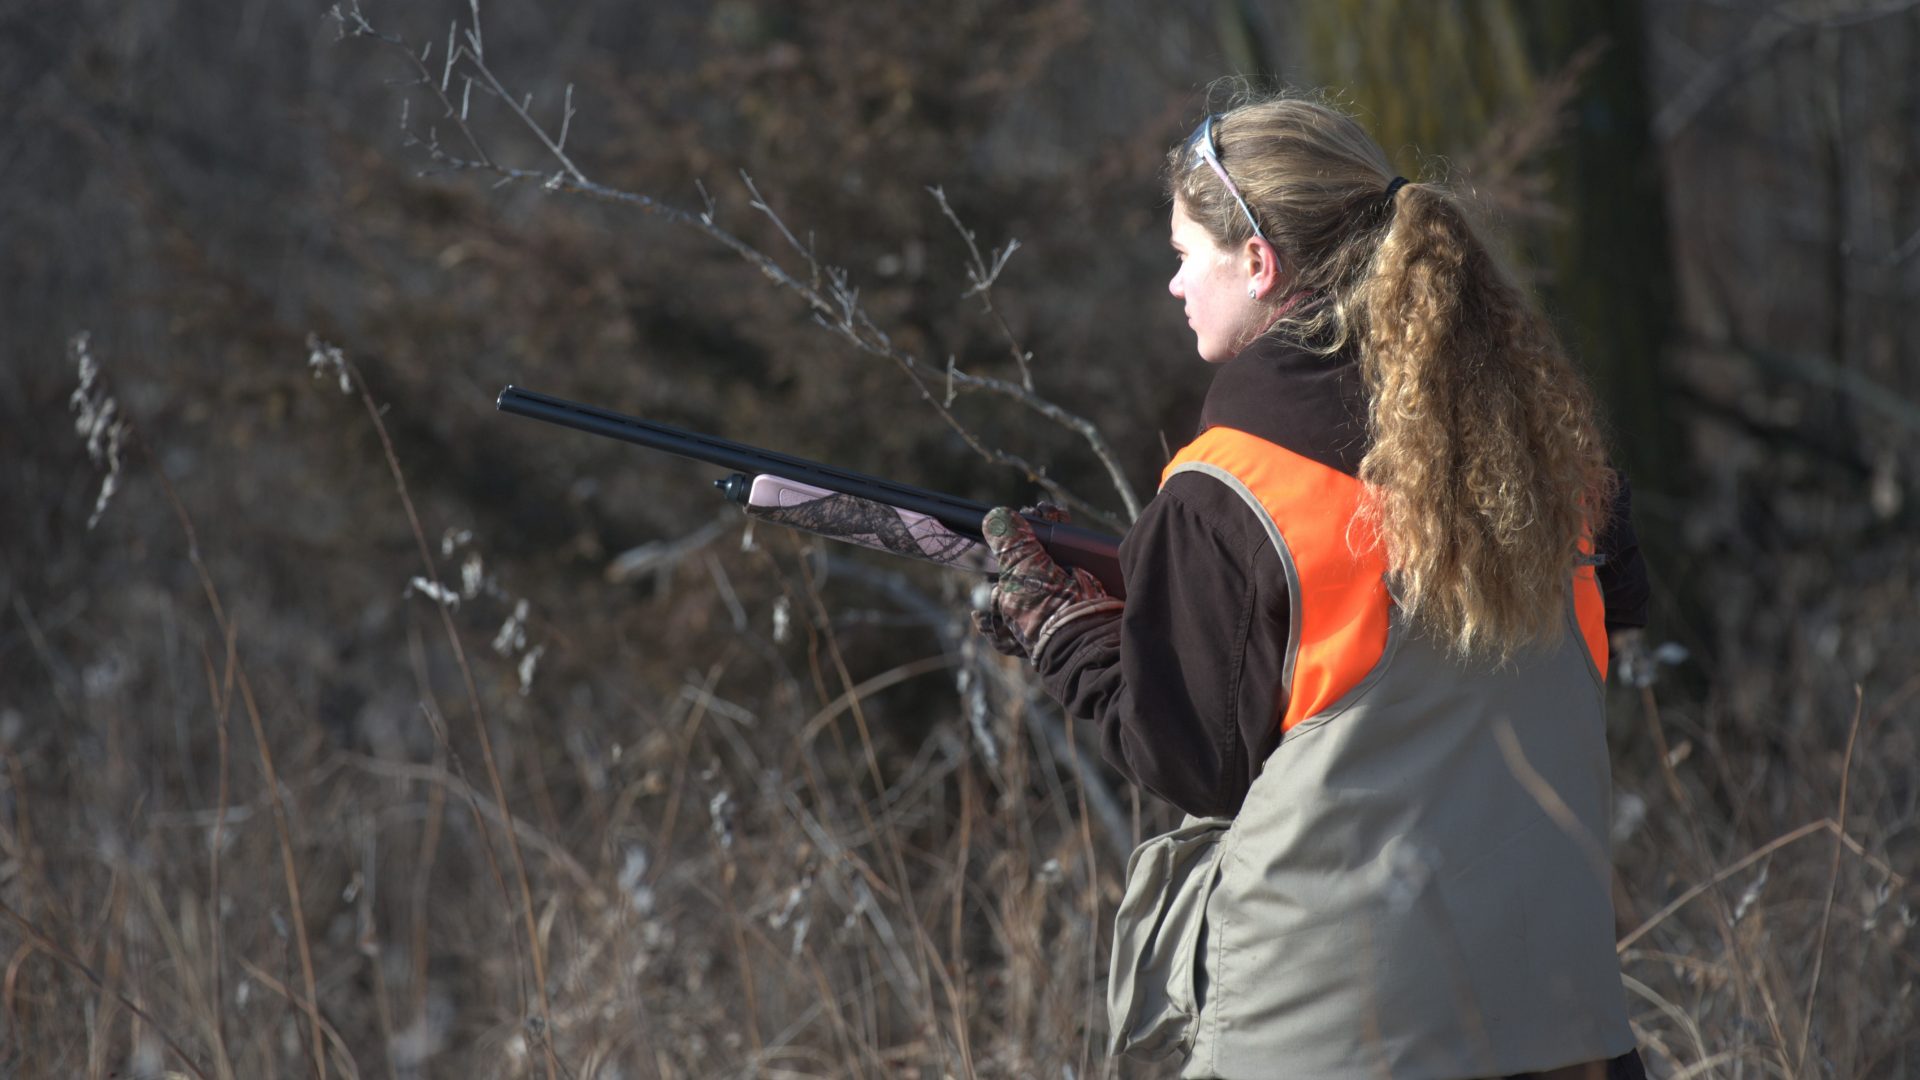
<point x="1394" y="186"/>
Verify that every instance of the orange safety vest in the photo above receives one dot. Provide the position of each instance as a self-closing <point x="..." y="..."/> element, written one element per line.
<point x="1337" y="569"/>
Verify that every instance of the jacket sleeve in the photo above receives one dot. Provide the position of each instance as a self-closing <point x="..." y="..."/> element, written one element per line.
<point x="1183" y="682"/>
<point x="1623" y="574"/>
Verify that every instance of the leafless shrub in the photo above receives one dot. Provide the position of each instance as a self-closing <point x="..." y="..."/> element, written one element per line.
<point x="920" y="853"/>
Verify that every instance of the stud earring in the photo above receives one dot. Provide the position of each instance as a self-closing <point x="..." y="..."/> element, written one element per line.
<point x="1253" y="292"/>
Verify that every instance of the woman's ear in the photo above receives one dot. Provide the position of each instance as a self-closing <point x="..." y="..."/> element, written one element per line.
<point x="1264" y="271"/>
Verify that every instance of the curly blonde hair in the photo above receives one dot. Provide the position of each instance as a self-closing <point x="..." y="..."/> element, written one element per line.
<point x="1486" y="468"/>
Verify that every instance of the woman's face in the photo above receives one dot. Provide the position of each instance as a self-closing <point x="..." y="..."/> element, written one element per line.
<point x="1213" y="284"/>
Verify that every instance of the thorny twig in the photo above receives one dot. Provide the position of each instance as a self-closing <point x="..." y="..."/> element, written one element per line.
<point x="983" y="278"/>
<point x="851" y="322"/>
<point x="828" y="293"/>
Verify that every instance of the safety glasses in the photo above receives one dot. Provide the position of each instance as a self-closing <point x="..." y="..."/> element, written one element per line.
<point x="1204" y="150"/>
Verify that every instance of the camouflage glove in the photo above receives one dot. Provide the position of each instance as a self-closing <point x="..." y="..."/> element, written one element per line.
<point x="988" y="622"/>
<point x="1035" y="596"/>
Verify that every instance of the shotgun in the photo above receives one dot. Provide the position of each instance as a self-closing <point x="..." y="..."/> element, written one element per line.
<point x="833" y="502"/>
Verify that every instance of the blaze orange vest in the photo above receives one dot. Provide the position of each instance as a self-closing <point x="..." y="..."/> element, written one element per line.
<point x="1336" y="568"/>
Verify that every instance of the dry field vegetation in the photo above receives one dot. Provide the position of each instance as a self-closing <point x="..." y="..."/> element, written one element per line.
<point x="348" y="728"/>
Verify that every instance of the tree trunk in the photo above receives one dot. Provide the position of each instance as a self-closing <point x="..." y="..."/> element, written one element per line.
<point x="1435" y="79"/>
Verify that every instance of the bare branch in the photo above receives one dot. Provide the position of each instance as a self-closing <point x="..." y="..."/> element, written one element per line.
<point x="760" y="203"/>
<point x="1771" y="31"/>
<point x="520" y="109"/>
<point x="1080" y="424"/>
<point x="446" y="76"/>
<point x="983" y="277"/>
<point x="354" y="21"/>
<point x="706" y="216"/>
<point x="829" y="292"/>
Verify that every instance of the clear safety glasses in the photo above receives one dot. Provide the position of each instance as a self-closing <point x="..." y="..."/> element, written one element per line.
<point x="1204" y="150"/>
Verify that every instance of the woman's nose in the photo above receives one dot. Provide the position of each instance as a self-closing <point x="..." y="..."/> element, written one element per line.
<point x="1173" y="286"/>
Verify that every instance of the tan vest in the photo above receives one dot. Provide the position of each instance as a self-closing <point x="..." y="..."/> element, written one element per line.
<point x="1417" y="884"/>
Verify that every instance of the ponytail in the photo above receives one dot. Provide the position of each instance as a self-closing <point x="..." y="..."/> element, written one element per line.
<point x="1486" y="462"/>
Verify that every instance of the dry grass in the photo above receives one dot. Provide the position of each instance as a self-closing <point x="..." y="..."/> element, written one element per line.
<point x="841" y="907"/>
<point x="339" y="747"/>
<point x="773" y="865"/>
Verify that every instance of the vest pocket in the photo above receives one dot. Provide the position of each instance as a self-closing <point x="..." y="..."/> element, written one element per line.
<point x="1154" y="979"/>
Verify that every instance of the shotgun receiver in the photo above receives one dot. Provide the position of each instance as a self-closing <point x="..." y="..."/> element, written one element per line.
<point x="831" y="502"/>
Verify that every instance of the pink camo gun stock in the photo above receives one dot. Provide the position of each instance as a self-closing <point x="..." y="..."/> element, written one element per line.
<point x="839" y="516"/>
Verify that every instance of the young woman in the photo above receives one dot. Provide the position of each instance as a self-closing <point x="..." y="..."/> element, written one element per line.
<point x="1364" y="642"/>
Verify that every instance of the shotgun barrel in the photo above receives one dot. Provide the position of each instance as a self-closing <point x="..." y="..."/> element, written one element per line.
<point x="1097" y="553"/>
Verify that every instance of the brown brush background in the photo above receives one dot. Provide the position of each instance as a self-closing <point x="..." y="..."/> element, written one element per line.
<point x="773" y="813"/>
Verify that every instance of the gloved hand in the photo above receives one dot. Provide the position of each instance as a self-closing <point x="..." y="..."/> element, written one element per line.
<point x="989" y="622"/>
<point x="1034" y="596"/>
